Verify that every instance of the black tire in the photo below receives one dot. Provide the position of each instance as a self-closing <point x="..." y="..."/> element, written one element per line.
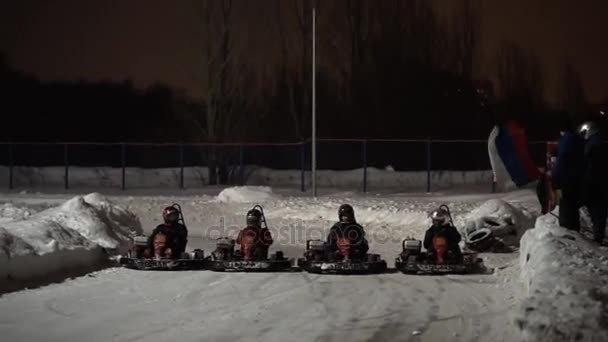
<point x="480" y="240"/>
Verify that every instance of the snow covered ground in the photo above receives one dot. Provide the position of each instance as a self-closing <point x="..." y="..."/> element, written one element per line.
<point x="566" y="282"/>
<point x="124" y="305"/>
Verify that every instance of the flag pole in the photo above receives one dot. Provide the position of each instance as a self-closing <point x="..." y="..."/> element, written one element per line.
<point x="314" y="107"/>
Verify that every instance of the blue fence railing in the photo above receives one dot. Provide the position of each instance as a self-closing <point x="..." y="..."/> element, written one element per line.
<point x="231" y="160"/>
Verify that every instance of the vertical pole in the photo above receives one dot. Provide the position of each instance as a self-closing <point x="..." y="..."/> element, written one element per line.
<point x="241" y="165"/>
<point x="428" y="165"/>
<point x="10" y="166"/>
<point x="123" y="154"/>
<point x="314" y="105"/>
<point x="66" y="167"/>
<point x="181" y="166"/>
<point x="364" y="151"/>
<point x="302" y="161"/>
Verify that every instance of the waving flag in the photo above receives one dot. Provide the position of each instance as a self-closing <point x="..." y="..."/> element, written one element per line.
<point x="509" y="156"/>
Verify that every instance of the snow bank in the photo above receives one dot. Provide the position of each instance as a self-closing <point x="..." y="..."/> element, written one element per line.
<point x="507" y="221"/>
<point x="245" y="194"/>
<point x="9" y="212"/>
<point x="566" y="279"/>
<point x="65" y="238"/>
<point x="104" y="177"/>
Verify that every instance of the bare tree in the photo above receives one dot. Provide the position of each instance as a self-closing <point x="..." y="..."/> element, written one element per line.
<point x="296" y="67"/>
<point x="571" y="92"/>
<point x="220" y="72"/>
<point x="469" y="36"/>
<point x="219" y="116"/>
<point x="357" y="33"/>
<point x="520" y="77"/>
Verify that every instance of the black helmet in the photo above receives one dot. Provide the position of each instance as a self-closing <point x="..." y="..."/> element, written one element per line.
<point x="346" y="213"/>
<point x="171" y="215"/>
<point x="254" y="218"/>
<point x="440" y="217"/>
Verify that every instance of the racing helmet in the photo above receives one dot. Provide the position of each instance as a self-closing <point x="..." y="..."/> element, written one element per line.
<point x="440" y="217"/>
<point x="588" y="129"/>
<point x="346" y="213"/>
<point x="171" y="215"/>
<point x="254" y="218"/>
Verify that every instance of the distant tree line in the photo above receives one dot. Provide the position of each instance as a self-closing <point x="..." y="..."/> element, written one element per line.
<point x="85" y="111"/>
<point x="386" y="69"/>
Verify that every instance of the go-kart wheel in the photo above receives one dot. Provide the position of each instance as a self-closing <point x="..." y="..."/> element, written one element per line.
<point x="278" y="255"/>
<point x="197" y="254"/>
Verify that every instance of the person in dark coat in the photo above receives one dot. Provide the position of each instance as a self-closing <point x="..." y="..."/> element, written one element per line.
<point x="175" y="233"/>
<point x="595" y="184"/>
<point x="567" y="176"/>
<point x="347" y="228"/>
<point x="442" y="227"/>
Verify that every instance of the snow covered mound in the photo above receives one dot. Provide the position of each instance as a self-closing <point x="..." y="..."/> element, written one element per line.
<point x="8" y="213"/>
<point x="245" y="194"/>
<point x="69" y="237"/>
<point x="566" y="278"/>
<point x="507" y="221"/>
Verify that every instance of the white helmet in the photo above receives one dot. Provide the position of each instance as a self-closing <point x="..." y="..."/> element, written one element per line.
<point x="588" y="129"/>
<point x="440" y="216"/>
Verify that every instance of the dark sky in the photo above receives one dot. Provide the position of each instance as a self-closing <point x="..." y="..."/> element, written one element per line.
<point x="159" y="40"/>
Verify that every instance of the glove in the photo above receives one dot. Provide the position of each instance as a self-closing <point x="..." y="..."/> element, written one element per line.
<point x="557" y="196"/>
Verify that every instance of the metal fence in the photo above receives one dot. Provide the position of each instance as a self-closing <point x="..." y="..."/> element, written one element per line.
<point x="332" y="154"/>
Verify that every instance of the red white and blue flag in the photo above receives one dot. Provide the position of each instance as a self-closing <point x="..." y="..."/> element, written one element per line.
<point x="509" y="156"/>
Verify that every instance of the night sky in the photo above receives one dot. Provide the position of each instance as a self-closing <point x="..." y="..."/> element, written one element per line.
<point x="159" y="40"/>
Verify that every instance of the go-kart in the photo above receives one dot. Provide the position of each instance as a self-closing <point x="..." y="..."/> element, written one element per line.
<point x="161" y="258"/>
<point x="318" y="259"/>
<point x="160" y="261"/>
<point x="441" y="261"/>
<point x="252" y="259"/>
<point x="413" y="261"/>
<point x="226" y="258"/>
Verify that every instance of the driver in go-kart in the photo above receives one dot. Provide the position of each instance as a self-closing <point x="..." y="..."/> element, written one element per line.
<point x="442" y="227"/>
<point x="168" y="239"/>
<point x="254" y="239"/>
<point x="347" y="236"/>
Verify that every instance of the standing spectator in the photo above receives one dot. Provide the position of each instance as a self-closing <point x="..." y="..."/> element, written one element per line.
<point x="567" y="174"/>
<point x="595" y="184"/>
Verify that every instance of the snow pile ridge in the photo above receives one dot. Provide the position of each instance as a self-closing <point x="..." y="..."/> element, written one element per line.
<point x="99" y="220"/>
<point x="566" y="280"/>
<point x="245" y="194"/>
<point x="68" y="237"/>
<point x="8" y="213"/>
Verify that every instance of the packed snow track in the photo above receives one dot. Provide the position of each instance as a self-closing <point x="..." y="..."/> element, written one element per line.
<point x="125" y="305"/>
<point x="118" y="304"/>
